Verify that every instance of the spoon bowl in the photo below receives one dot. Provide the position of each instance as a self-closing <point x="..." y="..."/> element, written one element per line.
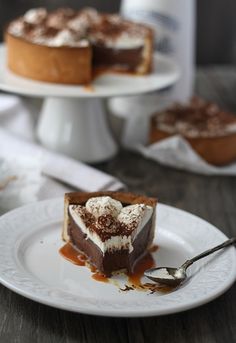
<point x="175" y="276"/>
<point x="165" y="275"/>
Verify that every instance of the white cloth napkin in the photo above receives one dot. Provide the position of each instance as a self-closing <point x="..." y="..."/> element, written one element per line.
<point x="20" y="181"/>
<point x="17" y="142"/>
<point x="176" y="152"/>
<point x="60" y="167"/>
<point x="16" y="116"/>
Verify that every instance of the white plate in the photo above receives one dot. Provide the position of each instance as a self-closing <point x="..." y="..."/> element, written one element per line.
<point x="165" y="73"/>
<point x="31" y="265"/>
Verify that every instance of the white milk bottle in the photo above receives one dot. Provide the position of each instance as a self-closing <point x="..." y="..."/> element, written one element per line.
<point x="173" y="22"/>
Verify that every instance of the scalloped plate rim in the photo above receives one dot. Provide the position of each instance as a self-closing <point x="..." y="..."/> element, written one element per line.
<point x="144" y="312"/>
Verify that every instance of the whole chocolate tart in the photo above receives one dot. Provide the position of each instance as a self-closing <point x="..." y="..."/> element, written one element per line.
<point x="69" y="46"/>
<point x="112" y="229"/>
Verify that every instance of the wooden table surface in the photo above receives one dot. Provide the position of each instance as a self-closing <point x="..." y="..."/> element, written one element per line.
<point x="212" y="198"/>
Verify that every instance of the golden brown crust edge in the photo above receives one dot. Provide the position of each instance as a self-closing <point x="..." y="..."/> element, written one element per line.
<point x="77" y="198"/>
<point x="67" y="65"/>
<point x="147" y="64"/>
<point x="124" y="197"/>
<point x="218" y="151"/>
<point x="28" y="59"/>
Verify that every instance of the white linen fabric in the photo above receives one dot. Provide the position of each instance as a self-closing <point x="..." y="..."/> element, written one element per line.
<point x="30" y="172"/>
<point x="176" y="152"/>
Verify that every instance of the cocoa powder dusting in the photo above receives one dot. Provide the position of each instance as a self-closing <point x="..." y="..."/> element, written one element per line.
<point x="106" y="226"/>
<point x="197" y="118"/>
<point x="92" y="25"/>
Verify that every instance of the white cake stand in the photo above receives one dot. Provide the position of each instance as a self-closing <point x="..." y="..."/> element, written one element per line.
<point x="73" y="119"/>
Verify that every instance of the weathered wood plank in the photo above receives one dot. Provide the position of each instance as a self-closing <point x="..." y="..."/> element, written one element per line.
<point x="212" y="198"/>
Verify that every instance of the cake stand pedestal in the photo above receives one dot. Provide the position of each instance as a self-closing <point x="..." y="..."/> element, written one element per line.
<point x="76" y="127"/>
<point x="73" y="118"/>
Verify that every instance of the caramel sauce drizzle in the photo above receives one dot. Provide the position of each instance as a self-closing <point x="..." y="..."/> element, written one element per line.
<point x="134" y="281"/>
<point x="100" y="277"/>
<point x="72" y="255"/>
<point x="89" y="88"/>
<point x="153" y="248"/>
<point x="143" y="264"/>
<point x="99" y="71"/>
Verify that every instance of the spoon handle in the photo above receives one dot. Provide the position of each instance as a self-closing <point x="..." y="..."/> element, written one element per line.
<point x="227" y="243"/>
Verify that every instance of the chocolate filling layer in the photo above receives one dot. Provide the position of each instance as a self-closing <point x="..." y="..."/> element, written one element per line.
<point x="129" y="59"/>
<point x="115" y="259"/>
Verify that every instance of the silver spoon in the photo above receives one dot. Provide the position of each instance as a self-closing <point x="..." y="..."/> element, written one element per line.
<point x="175" y="276"/>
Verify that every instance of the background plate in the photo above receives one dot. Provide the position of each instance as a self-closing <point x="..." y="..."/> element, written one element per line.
<point x="31" y="265"/>
<point x="165" y="73"/>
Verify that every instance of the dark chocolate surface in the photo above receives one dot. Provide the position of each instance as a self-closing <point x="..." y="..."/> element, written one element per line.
<point x="115" y="259"/>
<point x="128" y="59"/>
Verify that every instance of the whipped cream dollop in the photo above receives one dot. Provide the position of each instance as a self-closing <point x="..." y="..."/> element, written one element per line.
<point x="163" y="273"/>
<point x="35" y="16"/>
<point x="67" y="38"/>
<point x="108" y="224"/>
<point x="131" y="213"/>
<point x="198" y="118"/>
<point x="59" y="18"/>
<point x="83" y="20"/>
<point x="97" y="28"/>
<point x="99" y="206"/>
<point x="16" y="28"/>
<point x="124" y="41"/>
<point x="78" y="24"/>
<point x="115" y="32"/>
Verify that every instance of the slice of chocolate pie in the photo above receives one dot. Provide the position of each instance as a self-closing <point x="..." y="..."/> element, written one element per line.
<point x="114" y="230"/>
